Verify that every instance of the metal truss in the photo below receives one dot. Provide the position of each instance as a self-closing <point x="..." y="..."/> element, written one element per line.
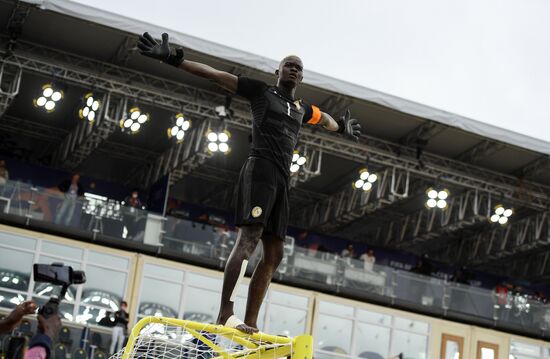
<point x="194" y="102"/>
<point x="310" y="169"/>
<point x="179" y="160"/>
<point x="482" y="150"/>
<point x="36" y="130"/>
<point x="535" y="266"/>
<point x="350" y="204"/>
<point x="10" y="80"/>
<point x="534" y="168"/>
<point x="527" y="235"/>
<point x="87" y="137"/>
<point x="424" y="230"/>
<point x="423" y="132"/>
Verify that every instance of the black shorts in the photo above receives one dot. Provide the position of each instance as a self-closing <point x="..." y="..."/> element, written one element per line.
<point x="261" y="196"/>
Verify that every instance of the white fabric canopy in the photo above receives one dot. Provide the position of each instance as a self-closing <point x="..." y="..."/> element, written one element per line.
<point x="131" y="25"/>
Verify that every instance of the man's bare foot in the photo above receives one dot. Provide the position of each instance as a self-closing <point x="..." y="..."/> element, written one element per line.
<point x="232" y="321"/>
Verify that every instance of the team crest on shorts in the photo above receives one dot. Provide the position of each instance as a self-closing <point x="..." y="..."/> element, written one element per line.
<point x="256" y="211"/>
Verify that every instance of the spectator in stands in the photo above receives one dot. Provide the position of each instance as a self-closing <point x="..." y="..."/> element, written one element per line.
<point x="131" y="219"/>
<point x="120" y="328"/>
<point x="423" y="266"/>
<point x="368" y="259"/>
<point x="71" y="189"/>
<point x="503" y="300"/>
<point x="16" y="315"/>
<point x="348" y="252"/>
<point x="4" y="174"/>
<point x="41" y="344"/>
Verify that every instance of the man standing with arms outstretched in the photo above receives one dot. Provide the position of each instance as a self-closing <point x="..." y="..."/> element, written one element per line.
<point x="262" y="202"/>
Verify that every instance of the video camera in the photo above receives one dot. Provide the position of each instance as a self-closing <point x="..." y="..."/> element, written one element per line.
<point x="56" y="274"/>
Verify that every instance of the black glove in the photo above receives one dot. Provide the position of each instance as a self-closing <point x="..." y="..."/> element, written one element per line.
<point x="349" y="126"/>
<point x="160" y="51"/>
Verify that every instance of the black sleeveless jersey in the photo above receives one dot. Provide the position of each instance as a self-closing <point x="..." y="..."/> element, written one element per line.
<point x="276" y="121"/>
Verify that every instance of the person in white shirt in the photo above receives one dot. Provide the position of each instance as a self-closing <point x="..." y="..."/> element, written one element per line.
<point x="368" y="259"/>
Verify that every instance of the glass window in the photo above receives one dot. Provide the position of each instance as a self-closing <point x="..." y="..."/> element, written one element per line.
<point x="413" y="345"/>
<point x="202" y="303"/>
<point x="487" y="353"/>
<point x="335" y="309"/>
<point x="525" y="349"/>
<point x="411" y="325"/>
<point x="15" y="262"/>
<point x="17" y="241"/>
<point x="207" y="282"/>
<point x="286" y="321"/>
<point x="157" y="293"/>
<point x="240" y="310"/>
<point x="61" y="250"/>
<point x="163" y="272"/>
<point x="452" y="350"/>
<point x="372" y="339"/>
<point x="289" y="300"/>
<point x="108" y="260"/>
<point x="333" y="334"/>
<point x="10" y="299"/>
<point x="372" y="317"/>
<point x="104" y="287"/>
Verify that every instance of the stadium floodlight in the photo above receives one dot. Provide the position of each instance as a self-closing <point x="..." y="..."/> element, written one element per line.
<point x="90" y="107"/>
<point x="133" y="121"/>
<point x="48" y="98"/>
<point x="297" y="161"/>
<point x="437" y="198"/>
<point x="501" y="214"/>
<point x="366" y="180"/>
<point x="177" y="131"/>
<point x="218" y="141"/>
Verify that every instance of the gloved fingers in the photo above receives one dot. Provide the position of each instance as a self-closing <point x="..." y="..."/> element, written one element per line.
<point x="352" y="121"/>
<point x="347" y="115"/>
<point x="355" y="127"/>
<point x="149" y="39"/>
<point x="145" y="42"/>
<point x="165" y="39"/>
<point x="143" y="47"/>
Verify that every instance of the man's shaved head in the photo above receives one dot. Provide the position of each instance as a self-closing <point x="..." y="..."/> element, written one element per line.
<point x="291" y="58"/>
<point x="290" y="71"/>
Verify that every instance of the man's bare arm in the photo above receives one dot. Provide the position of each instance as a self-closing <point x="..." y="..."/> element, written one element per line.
<point x="327" y="122"/>
<point x="223" y="79"/>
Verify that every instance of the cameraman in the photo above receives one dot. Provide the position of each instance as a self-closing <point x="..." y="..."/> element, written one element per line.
<point x="41" y="344"/>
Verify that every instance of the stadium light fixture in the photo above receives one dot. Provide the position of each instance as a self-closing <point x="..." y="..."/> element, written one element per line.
<point x="297" y="161"/>
<point x="133" y="121"/>
<point x="501" y="214"/>
<point x="218" y="141"/>
<point x="90" y="107"/>
<point x="366" y="180"/>
<point x="177" y="131"/>
<point x="48" y="98"/>
<point x="437" y="198"/>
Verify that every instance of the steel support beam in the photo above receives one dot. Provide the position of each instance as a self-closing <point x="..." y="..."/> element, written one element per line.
<point x="174" y="96"/>
<point x="87" y="137"/>
<point x="480" y="151"/>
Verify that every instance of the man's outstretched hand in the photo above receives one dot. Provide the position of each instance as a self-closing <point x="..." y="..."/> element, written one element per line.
<point x="14" y="318"/>
<point x="159" y="50"/>
<point x="349" y="126"/>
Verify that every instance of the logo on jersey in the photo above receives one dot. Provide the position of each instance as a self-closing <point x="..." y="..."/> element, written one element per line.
<point x="256" y="211"/>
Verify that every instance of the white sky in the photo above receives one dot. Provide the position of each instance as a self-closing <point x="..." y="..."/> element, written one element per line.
<point x="488" y="60"/>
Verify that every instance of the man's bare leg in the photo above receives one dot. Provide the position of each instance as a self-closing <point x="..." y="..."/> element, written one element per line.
<point x="247" y="240"/>
<point x="272" y="254"/>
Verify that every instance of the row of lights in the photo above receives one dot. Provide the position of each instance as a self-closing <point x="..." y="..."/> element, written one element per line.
<point x="297" y="162"/>
<point x="134" y="119"/>
<point x="438" y="198"/>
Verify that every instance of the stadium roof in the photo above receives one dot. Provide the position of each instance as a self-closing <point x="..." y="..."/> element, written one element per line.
<point x="89" y="49"/>
<point x="131" y="25"/>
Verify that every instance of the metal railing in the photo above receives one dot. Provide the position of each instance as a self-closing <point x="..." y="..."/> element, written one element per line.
<point x="300" y="266"/>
